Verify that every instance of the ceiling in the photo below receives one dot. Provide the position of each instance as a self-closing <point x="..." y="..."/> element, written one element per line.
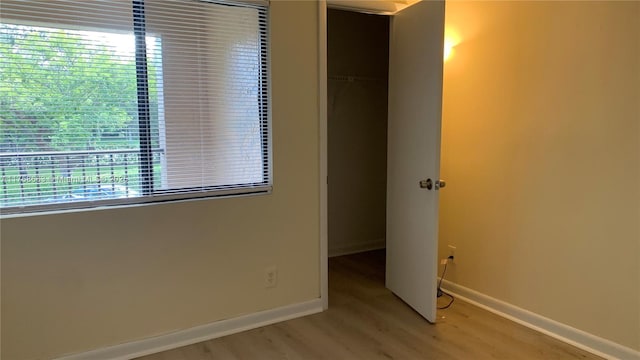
<point x="383" y="7"/>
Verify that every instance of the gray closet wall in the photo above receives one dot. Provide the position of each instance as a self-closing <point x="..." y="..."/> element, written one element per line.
<point x="358" y="63"/>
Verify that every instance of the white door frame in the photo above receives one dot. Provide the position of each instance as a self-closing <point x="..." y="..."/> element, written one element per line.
<point x="322" y="112"/>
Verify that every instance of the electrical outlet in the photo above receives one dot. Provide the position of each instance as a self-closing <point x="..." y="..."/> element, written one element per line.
<point x="270" y="277"/>
<point x="452" y="251"/>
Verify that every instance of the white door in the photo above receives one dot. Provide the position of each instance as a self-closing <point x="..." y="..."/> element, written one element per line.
<point x="415" y="108"/>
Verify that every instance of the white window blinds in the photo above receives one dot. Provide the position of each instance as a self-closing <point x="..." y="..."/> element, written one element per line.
<point x="111" y="102"/>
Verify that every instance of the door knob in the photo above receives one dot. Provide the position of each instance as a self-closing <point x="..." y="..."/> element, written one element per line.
<point x="426" y="184"/>
<point x="440" y="184"/>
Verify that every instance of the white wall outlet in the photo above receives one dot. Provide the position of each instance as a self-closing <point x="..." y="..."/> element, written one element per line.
<point x="452" y="251"/>
<point x="270" y="277"/>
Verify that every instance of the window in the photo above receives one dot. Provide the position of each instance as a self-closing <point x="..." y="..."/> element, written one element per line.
<point x="116" y="102"/>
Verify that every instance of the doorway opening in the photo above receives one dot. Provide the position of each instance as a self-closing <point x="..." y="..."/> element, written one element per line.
<point x="357" y="111"/>
<point x="413" y="41"/>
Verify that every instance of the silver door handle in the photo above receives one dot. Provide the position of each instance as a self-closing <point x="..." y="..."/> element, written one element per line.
<point x="440" y="184"/>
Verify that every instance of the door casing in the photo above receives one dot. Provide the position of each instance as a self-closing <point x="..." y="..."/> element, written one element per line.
<point x="323" y="149"/>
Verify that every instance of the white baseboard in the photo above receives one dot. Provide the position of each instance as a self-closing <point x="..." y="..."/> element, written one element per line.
<point x="199" y="333"/>
<point x="578" y="338"/>
<point x="357" y="247"/>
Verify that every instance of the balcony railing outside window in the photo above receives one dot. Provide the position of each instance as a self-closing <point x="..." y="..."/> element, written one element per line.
<point x="39" y="178"/>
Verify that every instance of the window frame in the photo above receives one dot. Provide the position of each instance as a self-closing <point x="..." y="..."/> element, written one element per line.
<point x="149" y="195"/>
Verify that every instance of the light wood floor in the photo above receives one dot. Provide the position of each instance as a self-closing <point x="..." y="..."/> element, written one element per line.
<point x="366" y="321"/>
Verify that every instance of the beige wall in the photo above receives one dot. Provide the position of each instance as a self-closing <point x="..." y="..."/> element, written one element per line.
<point x="357" y="130"/>
<point x="79" y="281"/>
<point x="541" y="153"/>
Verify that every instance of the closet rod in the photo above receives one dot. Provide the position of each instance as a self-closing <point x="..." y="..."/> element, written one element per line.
<point x="350" y="78"/>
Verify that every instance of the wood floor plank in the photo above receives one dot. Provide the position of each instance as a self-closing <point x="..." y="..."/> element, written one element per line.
<point x="366" y="321"/>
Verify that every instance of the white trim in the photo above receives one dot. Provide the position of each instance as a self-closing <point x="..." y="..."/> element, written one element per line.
<point x="322" y="113"/>
<point x="361" y="10"/>
<point x="570" y="335"/>
<point x="389" y="7"/>
<point x="358" y="247"/>
<point x="198" y="334"/>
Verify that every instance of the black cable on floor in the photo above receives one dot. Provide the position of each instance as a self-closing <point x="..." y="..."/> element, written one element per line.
<point x="442" y="292"/>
